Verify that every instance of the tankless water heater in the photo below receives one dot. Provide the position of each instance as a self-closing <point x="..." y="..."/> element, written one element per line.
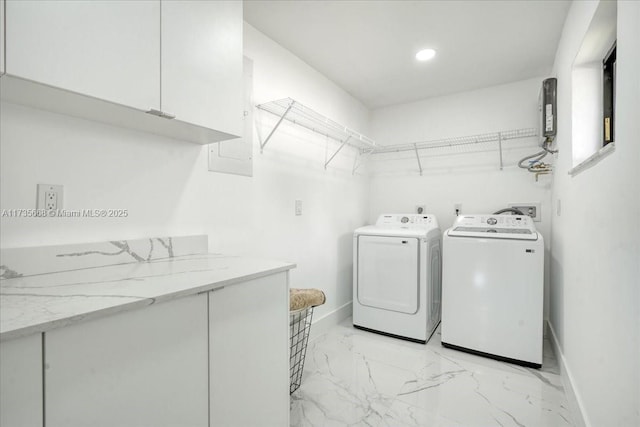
<point x="547" y="106"/>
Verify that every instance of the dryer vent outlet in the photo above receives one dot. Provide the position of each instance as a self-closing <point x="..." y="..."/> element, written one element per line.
<point x="531" y="208"/>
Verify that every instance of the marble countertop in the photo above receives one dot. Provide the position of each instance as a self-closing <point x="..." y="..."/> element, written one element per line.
<point x="41" y="302"/>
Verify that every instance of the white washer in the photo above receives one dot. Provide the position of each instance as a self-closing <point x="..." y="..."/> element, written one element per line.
<point x="397" y="276"/>
<point x="492" y="288"/>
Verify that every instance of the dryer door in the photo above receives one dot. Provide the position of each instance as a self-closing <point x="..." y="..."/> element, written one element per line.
<point x="388" y="273"/>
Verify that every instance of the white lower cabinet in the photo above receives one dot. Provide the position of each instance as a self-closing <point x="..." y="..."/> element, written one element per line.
<point x="249" y="354"/>
<point x="21" y="382"/>
<point x="144" y="367"/>
<point x="214" y="359"/>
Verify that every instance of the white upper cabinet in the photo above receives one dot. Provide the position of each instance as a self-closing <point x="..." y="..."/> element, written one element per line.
<point x="114" y="60"/>
<point x="202" y="63"/>
<point x="105" y="49"/>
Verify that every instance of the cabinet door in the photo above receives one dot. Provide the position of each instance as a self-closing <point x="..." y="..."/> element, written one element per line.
<point x="21" y="382"/>
<point x="249" y="353"/>
<point x="202" y="63"/>
<point x="2" y="36"/>
<point x="106" y="49"/>
<point x="145" y="367"/>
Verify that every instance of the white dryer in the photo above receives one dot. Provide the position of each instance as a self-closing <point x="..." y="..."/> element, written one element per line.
<point x="492" y="288"/>
<point x="397" y="276"/>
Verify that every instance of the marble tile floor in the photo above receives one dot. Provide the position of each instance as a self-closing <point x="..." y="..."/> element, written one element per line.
<point x="358" y="378"/>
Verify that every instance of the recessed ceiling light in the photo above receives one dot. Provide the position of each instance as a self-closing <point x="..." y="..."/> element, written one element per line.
<point x="425" y="54"/>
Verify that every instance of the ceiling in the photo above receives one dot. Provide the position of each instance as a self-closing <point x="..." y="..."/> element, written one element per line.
<point x="368" y="47"/>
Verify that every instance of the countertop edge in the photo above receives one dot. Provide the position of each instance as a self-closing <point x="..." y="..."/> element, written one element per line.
<point x="138" y="303"/>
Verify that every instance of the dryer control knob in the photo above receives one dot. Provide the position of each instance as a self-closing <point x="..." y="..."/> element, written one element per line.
<point x="492" y="221"/>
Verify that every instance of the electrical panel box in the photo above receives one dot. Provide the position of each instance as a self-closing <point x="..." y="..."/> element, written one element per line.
<point x="547" y="106"/>
<point x="236" y="156"/>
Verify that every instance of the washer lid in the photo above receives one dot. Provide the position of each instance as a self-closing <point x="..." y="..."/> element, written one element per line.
<point x="519" y="227"/>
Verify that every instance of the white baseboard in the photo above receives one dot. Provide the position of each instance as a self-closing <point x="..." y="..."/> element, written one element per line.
<point x="322" y="324"/>
<point x="573" y="397"/>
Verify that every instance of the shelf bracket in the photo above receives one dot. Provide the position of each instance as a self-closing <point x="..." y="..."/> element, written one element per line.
<point x="336" y="152"/>
<point x="276" y="126"/>
<point x="356" y="163"/>
<point x="415" y="147"/>
<point x="500" y="148"/>
<point x="358" y="160"/>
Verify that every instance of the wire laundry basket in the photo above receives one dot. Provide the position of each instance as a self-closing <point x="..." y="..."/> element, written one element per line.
<point x="299" y="328"/>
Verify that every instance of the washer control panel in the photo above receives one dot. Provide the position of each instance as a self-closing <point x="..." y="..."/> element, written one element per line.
<point x="508" y="221"/>
<point x="504" y="225"/>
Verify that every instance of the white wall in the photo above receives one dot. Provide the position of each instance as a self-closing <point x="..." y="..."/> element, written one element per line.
<point x="595" y="301"/>
<point x="468" y="176"/>
<point x="167" y="189"/>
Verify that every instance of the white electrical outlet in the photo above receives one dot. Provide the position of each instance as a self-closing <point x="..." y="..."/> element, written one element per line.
<point x="529" y="208"/>
<point x="49" y="197"/>
<point x="50" y="200"/>
<point x="421" y="209"/>
<point x="457" y="208"/>
<point x="298" y="207"/>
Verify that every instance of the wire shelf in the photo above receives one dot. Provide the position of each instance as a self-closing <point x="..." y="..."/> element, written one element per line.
<point x="450" y="143"/>
<point x="458" y="141"/>
<point x="291" y="110"/>
<point x="295" y="112"/>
